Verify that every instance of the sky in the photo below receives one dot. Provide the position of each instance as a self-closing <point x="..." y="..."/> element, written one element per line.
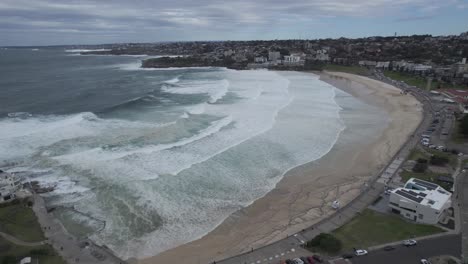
<point x="63" y="22"/>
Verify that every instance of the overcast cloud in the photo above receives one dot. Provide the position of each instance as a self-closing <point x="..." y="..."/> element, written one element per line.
<point x="41" y="22"/>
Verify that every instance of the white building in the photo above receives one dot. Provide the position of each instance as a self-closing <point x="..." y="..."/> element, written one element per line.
<point x="420" y="201"/>
<point x="8" y="187"/>
<point x="260" y="59"/>
<point x="292" y="59"/>
<point x="383" y="65"/>
<point x="322" y="55"/>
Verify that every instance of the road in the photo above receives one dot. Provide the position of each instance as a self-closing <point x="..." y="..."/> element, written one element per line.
<point x="445" y="245"/>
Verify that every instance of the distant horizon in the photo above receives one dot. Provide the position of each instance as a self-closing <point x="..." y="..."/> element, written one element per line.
<point x="93" y="22"/>
<point x="226" y="40"/>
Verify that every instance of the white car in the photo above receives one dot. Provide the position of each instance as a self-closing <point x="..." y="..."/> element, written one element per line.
<point x="425" y="261"/>
<point x="440" y="148"/>
<point x="410" y="242"/>
<point x="360" y="252"/>
<point x="460" y="154"/>
<point x="298" y="261"/>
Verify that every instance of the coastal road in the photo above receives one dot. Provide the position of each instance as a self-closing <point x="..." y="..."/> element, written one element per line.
<point x="444" y="245"/>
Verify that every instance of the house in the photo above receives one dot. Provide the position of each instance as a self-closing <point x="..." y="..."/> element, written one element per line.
<point x="420" y="201"/>
<point x="260" y="59"/>
<point x="292" y="59"/>
<point x="9" y="185"/>
<point x="322" y="55"/>
<point x="274" y="55"/>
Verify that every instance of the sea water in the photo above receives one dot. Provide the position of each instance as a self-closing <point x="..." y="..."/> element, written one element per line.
<point x="143" y="160"/>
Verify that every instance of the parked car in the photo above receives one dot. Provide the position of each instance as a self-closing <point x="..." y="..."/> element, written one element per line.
<point x="425" y="261"/>
<point x="432" y="146"/>
<point x="298" y="261"/>
<point x="389" y="248"/>
<point x="317" y="258"/>
<point x="347" y="256"/>
<point x="360" y="252"/>
<point x="304" y="260"/>
<point x="311" y="260"/>
<point x="410" y="242"/>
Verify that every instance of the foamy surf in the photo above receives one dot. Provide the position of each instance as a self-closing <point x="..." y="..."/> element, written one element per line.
<point x="159" y="185"/>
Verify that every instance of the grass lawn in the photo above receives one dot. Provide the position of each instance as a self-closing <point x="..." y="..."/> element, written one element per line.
<point x="418" y="154"/>
<point x="349" y="69"/>
<point x="426" y="176"/>
<point x="371" y="228"/>
<point x="410" y="79"/>
<point x="11" y="253"/>
<point x="19" y="220"/>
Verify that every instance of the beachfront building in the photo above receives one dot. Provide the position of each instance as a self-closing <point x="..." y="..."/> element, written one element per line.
<point x="456" y="96"/>
<point x="420" y="201"/>
<point x="9" y="185"/>
<point x="292" y="59"/>
<point x="260" y="60"/>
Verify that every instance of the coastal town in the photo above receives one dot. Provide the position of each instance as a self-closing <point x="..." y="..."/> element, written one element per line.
<point x="441" y="58"/>
<point x="418" y="201"/>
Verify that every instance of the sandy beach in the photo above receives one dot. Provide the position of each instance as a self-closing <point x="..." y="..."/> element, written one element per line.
<point x="303" y="197"/>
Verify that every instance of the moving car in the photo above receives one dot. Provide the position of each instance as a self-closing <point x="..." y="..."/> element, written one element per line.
<point x="425" y="261"/>
<point x="410" y="242"/>
<point x="360" y="252"/>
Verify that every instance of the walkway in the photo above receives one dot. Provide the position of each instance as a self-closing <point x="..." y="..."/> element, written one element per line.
<point x="19" y="242"/>
<point x="290" y="247"/>
<point x="71" y="249"/>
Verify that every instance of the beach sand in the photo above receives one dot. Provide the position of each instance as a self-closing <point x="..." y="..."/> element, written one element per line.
<point x="303" y="197"/>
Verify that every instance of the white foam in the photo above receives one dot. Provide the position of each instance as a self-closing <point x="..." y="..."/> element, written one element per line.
<point x="210" y="168"/>
<point x="84" y="50"/>
<point x="173" y="80"/>
<point x="215" y="89"/>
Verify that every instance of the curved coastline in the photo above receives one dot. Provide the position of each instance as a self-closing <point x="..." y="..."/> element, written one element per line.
<point x="303" y="196"/>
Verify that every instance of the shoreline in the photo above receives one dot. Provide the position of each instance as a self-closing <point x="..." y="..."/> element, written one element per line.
<point x="304" y="195"/>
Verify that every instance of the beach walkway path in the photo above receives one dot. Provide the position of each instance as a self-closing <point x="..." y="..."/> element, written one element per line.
<point x="70" y="248"/>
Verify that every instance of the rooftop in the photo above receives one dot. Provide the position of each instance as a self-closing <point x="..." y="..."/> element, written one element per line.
<point x="424" y="193"/>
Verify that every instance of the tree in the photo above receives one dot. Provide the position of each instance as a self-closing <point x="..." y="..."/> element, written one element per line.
<point x="464" y="125"/>
<point x="325" y="242"/>
<point x="420" y="167"/>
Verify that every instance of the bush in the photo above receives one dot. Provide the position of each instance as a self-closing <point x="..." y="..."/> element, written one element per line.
<point x="438" y="160"/>
<point x="39" y="252"/>
<point x="421" y="160"/>
<point x="325" y="242"/>
<point x="8" y="260"/>
<point x="420" y="167"/>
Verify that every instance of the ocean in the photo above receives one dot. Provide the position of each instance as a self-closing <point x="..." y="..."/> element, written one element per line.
<point x="143" y="160"/>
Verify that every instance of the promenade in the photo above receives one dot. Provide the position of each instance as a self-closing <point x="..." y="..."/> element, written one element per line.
<point x="290" y="246"/>
<point x="67" y="246"/>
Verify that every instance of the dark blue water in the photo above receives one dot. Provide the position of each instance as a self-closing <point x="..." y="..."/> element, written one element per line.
<point x="52" y="81"/>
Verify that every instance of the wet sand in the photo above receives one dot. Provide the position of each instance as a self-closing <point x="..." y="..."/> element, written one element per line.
<point x="304" y="196"/>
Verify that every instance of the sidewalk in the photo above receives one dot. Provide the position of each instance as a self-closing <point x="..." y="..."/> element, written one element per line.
<point x="71" y="249"/>
<point x="19" y="242"/>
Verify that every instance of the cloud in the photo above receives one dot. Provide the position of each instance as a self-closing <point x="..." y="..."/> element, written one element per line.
<point x="185" y="19"/>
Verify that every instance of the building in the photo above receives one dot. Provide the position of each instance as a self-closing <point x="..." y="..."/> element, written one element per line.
<point x="458" y="96"/>
<point x="420" y="201"/>
<point x="9" y="185"/>
<point x="292" y="59"/>
<point x="322" y="55"/>
<point x="260" y="59"/>
<point x="274" y="56"/>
